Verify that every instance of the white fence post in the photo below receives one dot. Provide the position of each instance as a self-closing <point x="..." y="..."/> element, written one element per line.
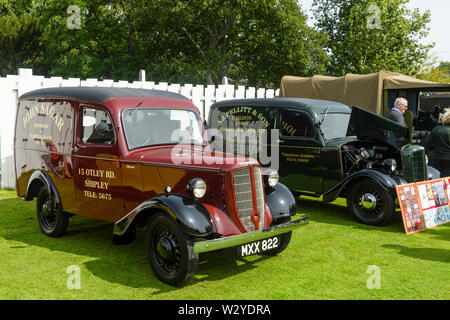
<point x="8" y="95"/>
<point x="13" y="86"/>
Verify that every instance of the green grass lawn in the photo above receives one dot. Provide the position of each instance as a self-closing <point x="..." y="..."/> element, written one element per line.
<point x="327" y="259"/>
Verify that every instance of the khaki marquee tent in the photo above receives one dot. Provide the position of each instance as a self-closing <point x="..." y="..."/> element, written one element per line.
<point x="365" y="91"/>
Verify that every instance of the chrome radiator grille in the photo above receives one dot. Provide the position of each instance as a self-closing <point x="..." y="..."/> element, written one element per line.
<point x="419" y="167"/>
<point x="243" y="192"/>
<point x="414" y="165"/>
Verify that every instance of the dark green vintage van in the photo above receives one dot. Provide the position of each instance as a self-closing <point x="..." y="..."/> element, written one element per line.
<point x="325" y="149"/>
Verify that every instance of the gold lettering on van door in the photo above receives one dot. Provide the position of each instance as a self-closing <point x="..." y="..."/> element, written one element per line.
<point x="244" y="113"/>
<point x="96" y="184"/>
<point x="288" y="129"/>
<point x="88" y="174"/>
<point x="46" y="109"/>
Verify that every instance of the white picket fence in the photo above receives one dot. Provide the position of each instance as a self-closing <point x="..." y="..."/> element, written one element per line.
<point x="13" y="86"/>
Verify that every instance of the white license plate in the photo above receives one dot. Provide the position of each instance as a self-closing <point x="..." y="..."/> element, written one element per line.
<point x="258" y="246"/>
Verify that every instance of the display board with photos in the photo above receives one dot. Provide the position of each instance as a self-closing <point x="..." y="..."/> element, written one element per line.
<point x="410" y="207"/>
<point x="425" y="204"/>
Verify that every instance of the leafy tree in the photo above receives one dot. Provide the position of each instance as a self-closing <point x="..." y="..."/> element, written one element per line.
<point x="279" y="42"/>
<point x="104" y="45"/>
<point x="254" y="42"/>
<point x="366" y="36"/>
<point x="445" y="67"/>
<point x="435" y="74"/>
<point x="431" y="70"/>
<point x="19" y="34"/>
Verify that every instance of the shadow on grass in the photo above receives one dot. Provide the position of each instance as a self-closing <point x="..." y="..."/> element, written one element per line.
<point x="430" y="254"/>
<point x="124" y="265"/>
<point x="333" y="213"/>
<point x="443" y="233"/>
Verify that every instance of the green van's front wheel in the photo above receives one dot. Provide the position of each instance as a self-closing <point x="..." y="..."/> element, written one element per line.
<point x="370" y="203"/>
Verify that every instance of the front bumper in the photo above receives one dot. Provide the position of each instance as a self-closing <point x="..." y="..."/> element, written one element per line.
<point x="233" y="241"/>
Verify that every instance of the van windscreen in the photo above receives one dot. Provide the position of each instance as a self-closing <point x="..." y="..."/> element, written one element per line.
<point x="150" y="126"/>
<point x="334" y="125"/>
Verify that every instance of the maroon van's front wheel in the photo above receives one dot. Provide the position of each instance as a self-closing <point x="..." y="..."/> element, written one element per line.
<point x="169" y="251"/>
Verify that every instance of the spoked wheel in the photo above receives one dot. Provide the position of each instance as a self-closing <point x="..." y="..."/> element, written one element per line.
<point x="52" y="221"/>
<point x="169" y="251"/>
<point x="370" y="203"/>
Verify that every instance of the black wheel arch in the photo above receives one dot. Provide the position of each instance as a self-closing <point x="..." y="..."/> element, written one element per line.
<point x="38" y="179"/>
<point x="281" y="201"/>
<point x="190" y="215"/>
<point x="388" y="182"/>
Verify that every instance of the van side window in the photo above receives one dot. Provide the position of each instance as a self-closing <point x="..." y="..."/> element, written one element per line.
<point x="96" y="127"/>
<point x="296" y="124"/>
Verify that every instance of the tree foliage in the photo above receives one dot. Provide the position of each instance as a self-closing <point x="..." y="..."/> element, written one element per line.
<point x="106" y="44"/>
<point x="445" y="67"/>
<point x="435" y="74"/>
<point x="432" y="70"/>
<point x="254" y="42"/>
<point x="19" y="36"/>
<point x="366" y="36"/>
<point x="251" y="41"/>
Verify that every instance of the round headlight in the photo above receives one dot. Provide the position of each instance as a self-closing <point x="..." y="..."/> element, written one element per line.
<point x="391" y="164"/>
<point x="272" y="179"/>
<point x="197" y="188"/>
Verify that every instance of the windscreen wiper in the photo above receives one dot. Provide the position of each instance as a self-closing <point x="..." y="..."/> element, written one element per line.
<point x="135" y="108"/>
<point x="319" y="125"/>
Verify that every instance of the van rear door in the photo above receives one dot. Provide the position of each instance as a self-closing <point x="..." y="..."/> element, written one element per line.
<point x="44" y="141"/>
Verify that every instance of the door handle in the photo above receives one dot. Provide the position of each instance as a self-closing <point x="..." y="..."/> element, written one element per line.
<point x="75" y="149"/>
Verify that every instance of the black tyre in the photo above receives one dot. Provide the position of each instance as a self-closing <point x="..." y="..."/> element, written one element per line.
<point x="370" y="203"/>
<point x="52" y="221"/>
<point x="285" y="238"/>
<point x="169" y="251"/>
<point x="297" y="195"/>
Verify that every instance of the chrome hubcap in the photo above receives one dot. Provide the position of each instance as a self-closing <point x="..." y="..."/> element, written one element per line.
<point x="47" y="209"/>
<point x="165" y="249"/>
<point x="368" y="201"/>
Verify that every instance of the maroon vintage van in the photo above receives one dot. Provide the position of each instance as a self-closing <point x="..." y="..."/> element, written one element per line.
<point x="141" y="159"/>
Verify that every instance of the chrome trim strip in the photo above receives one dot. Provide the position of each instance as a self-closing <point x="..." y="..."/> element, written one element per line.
<point x="233" y="241"/>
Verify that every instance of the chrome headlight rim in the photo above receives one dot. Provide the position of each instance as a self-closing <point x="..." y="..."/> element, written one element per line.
<point x="197" y="188"/>
<point x="271" y="178"/>
<point x="390" y="164"/>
